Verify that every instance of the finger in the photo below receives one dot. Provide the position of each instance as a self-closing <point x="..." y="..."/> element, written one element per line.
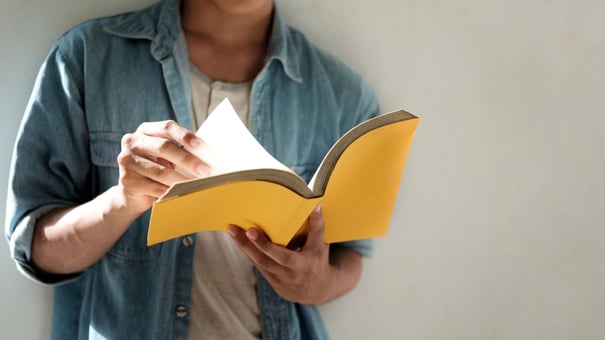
<point x="152" y="147"/>
<point x="172" y="130"/>
<point x="260" y="259"/>
<point x="279" y="254"/>
<point x="315" y="237"/>
<point x="146" y="168"/>
<point x="136" y="184"/>
<point x="163" y="162"/>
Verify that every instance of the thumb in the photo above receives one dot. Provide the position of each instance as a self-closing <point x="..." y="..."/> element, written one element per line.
<point x="315" y="238"/>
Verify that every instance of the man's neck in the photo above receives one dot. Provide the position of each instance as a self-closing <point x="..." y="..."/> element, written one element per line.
<point x="227" y="28"/>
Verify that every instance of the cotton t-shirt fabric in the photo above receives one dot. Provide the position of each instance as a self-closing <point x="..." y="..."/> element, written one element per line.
<point x="224" y="304"/>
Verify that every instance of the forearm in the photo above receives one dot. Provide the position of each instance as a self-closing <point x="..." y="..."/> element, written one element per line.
<point x="70" y="240"/>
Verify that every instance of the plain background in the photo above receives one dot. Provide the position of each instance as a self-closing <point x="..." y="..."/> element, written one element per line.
<point x="499" y="229"/>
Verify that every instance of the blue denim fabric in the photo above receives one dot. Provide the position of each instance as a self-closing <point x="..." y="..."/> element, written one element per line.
<point x="101" y="80"/>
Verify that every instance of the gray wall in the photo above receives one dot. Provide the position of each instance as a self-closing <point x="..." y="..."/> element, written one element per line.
<point x="499" y="229"/>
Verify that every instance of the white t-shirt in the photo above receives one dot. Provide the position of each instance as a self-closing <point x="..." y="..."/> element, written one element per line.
<point x="224" y="304"/>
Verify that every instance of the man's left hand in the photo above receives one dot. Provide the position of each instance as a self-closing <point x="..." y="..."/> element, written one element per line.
<point x="305" y="275"/>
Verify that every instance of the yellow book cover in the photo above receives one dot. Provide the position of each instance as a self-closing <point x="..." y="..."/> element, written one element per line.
<point x="356" y="183"/>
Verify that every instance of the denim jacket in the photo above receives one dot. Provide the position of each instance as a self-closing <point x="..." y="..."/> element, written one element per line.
<point x="101" y="80"/>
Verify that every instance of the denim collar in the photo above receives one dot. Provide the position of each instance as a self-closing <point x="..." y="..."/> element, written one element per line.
<point x="159" y="25"/>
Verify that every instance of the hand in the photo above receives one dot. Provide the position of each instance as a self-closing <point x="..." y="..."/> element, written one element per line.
<point x="305" y="276"/>
<point x="148" y="160"/>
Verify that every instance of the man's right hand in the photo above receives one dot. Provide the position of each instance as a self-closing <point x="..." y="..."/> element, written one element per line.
<point x="149" y="157"/>
<point x="70" y="239"/>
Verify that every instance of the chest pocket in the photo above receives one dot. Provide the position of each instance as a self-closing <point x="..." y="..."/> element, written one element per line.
<point x="104" y="150"/>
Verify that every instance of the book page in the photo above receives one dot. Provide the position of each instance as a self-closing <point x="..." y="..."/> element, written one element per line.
<point x="229" y="146"/>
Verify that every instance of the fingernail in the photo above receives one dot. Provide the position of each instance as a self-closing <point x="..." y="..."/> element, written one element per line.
<point x="252" y="234"/>
<point x="231" y="231"/>
<point x="195" y="142"/>
<point x="203" y="170"/>
<point x="317" y="209"/>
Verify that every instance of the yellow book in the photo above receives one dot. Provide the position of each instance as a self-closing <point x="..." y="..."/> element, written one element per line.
<point x="356" y="183"/>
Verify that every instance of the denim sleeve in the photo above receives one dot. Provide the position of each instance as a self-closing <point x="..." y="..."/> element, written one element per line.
<point x="368" y="103"/>
<point x="50" y="167"/>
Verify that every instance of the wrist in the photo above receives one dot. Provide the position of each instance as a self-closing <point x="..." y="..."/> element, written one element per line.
<point x="120" y="201"/>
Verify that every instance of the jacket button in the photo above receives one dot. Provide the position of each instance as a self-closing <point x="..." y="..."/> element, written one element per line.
<point x="187" y="241"/>
<point x="181" y="311"/>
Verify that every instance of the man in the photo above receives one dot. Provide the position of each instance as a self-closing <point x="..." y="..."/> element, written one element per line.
<point x="82" y="181"/>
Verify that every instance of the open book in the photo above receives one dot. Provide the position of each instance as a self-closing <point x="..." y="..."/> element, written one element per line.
<point x="357" y="183"/>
